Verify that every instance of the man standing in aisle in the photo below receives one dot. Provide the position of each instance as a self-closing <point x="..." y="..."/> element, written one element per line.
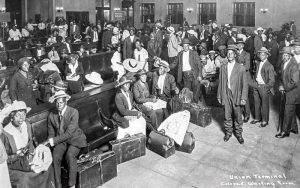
<point x="233" y="94"/>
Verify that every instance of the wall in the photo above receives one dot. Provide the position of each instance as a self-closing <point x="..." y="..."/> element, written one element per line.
<point x="279" y="11"/>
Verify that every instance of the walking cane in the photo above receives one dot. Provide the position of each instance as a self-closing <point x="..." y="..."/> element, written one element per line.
<point x="281" y="111"/>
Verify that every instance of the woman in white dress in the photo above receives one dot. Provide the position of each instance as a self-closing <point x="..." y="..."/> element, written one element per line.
<point x="116" y="62"/>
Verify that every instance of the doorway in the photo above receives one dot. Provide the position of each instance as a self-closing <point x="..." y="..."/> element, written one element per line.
<point x="81" y="18"/>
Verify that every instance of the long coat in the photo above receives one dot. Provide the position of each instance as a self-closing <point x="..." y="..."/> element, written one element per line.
<point x="67" y="130"/>
<point x="291" y="82"/>
<point x="273" y="48"/>
<point x="238" y="83"/>
<point x="194" y="61"/>
<point x="128" y="47"/>
<point x="21" y="89"/>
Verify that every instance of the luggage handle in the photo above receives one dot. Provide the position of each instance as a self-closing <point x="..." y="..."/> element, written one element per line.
<point x="162" y="131"/>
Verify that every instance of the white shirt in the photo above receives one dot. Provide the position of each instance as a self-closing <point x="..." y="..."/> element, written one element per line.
<point x="186" y="61"/>
<point x="286" y="63"/>
<point x="95" y="36"/>
<point x="20" y="136"/>
<point x="127" y="99"/>
<point x="161" y="82"/>
<point x="131" y="38"/>
<point x="25" y="33"/>
<point x="297" y="57"/>
<point x="15" y="35"/>
<point x="259" y="78"/>
<point x="141" y="56"/>
<point x="210" y="67"/>
<point x="125" y="34"/>
<point x="286" y="43"/>
<point x="229" y="69"/>
<point x="42" y="26"/>
<point x="68" y="46"/>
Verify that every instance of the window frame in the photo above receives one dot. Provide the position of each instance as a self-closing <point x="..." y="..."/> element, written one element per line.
<point x="210" y="16"/>
<point x="150" y="16"/>
<point x="244" y="14"/>
<point x="178" y="19"/>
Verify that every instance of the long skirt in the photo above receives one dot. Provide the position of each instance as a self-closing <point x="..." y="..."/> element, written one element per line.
<point x="4" y="176"/>
<point x="135" y="126"/>
<point x="20" y="179"/>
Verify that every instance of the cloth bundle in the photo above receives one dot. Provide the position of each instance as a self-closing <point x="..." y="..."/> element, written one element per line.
<point x="159" y="104"/>
<point x="42" y="159"/>
<point x="175" y="126"/>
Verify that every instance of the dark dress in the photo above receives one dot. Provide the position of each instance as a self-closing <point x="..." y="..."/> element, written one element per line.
<point x="19" y="169"/>
<point x="21" y="89"/>
<point x="75" y="86"/>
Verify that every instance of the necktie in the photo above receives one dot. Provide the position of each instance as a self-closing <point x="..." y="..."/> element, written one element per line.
<point x="60" y="123"/>
<point x="139" y="58"/>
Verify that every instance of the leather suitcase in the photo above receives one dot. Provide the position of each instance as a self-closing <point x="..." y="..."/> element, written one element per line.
<point x="200" y="115"/>
<point x="161" y="144"/>
<point x="188" y="143"/>
<point x="96" y="168"/>
<point x="129" y="148"/>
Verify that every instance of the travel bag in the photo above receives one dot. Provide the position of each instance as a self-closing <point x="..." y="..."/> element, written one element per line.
<point x="200" y="115"/>
<point x="161" y="144"/>
<point x="188" y="143"/>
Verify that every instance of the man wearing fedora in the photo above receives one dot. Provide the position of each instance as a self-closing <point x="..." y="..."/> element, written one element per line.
<point x="290" y="87"/>
<point x="244" y="59"/>
<point x="65" y="136"/>
<point x="129" y="44"/>
<point x="158" y="33"/>
<point x="188" y="67"/>
<point x="258" y="40"/>
<point x="172" y="44"/>
<point x="233" y="94"/>
<point x="265" y="80"/>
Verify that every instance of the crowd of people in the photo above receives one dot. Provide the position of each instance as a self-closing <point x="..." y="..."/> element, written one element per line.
<point x="154" y="64"/>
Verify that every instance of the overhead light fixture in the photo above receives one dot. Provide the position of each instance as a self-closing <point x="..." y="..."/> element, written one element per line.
<point x="59" y="9"/>
<point x="2" y="9"/>
<point x="189" y="10"/>
<point x="264" y="10"/>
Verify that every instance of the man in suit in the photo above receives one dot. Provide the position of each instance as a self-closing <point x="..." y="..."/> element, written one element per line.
<point x="158" y="33"/>
<point x="258" y="40"/>
<point x="187" y="64"/>
<point x="154" y="50"/>
<point x="65" y="136"/>
<point x="74" y="29"/>
<point x="94" y="34"/>
<point x="291" y="88"/>
<point x="293" y="28"/>
<point x="233" y="93"/>
<point x="244" y="59"/>
<point x="129" y="45"/>
<point x="265" y="80"/>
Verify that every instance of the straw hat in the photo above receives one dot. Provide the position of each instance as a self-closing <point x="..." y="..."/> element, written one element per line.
<point x="19" y="105"/>
<point x="286" y="50"/>
<point x="163" y="64"/>
<point x="94" y="78"/>
<point x="264" y="50"/>
<point x="123" y="80"/>
<point x="171" y="29"/>
<point x="132" y="65"/>
<point x="59" y="94"/>
<point x="59" y="85"/>
<point x="239" y="40"/>
<point x="232" y="47"/>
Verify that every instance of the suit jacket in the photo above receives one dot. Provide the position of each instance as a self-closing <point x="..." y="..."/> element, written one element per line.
<point x="70" y="131"/>
<point x="76" y="32"/>
<point x="272" y="46"/>
<point x="244" y="59"/>
<point x="258" y="43"/>
<point x="64" y="46"/>
<point x="267" y="74"/>
<point x="159" y="36"/>
<point x="129" y="47"/>
<point x="91" y="34"/>
<point x="194" y="63"/>
<point x="238" y="83"/>
<point x="169" y="87"/>
<point x="141" y="93"/>
<point x="153" y="48"/>
<point x="291" y="82"/>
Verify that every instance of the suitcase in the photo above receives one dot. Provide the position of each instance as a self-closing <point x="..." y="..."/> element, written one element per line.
<point x="96" y="168"/>
<point x="200" y="115"/>
<point x="188" y="143"/>
<point x="129" y="148"/>
<point x="161" y="144"/>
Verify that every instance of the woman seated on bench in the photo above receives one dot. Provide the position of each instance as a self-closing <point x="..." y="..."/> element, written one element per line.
<point x="128" y="118"/>
<point x="18" y="140"/>
<point x="73" y="72"/>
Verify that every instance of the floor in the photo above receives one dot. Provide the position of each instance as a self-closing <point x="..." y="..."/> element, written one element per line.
<point x="263" y="161"/>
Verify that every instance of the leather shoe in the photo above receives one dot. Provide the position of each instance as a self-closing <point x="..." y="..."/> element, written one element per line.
<point x="240" y="139"/>
<point x="294" y="131"/>
<point x="227" y="137"/>
<point x="254" y="121"/>
<point x="263" y="124"/>
<point x="282" y="135"/>
<point x="246" y="119"/>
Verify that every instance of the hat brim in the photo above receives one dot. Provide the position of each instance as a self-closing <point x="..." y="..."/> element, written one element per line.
<point x="127" y="63"/>
<point x="58" y="87"/>
<point x="54" y="97"/>
<point x="17" y="109"/>
<point x="94" y="80"/>
<point x="264" y="52"/>
<point x="122" y="83"/>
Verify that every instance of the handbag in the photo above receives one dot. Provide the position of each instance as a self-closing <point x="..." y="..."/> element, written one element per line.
<point x="188" y="143"/>
<point x="161" y="144"/>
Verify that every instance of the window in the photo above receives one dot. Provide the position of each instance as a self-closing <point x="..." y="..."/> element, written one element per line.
<point x="206" y="11"/>
<point x="103" y="12"/>
<point x="147" y="12"/>
<point x="102" y="3"/>
<point x="244" y="14"/>
<point x="175" y="13"/>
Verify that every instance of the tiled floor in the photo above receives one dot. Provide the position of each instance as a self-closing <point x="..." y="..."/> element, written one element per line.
<point x="263" y="161"/>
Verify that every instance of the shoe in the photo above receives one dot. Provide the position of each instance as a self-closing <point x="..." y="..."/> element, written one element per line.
<point x="282" y="135"/>
<point x="263" y="124"/>
<point x="246" y="119"/>
<point x="254" y="121"/>
<point x="227" y="137"/>
<point x="240" y="139"/>
<point x="294" y="131"/>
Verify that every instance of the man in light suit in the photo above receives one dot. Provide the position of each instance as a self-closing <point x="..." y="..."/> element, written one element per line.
<point x="188" y="68"/>
<point x="129" y="45"/>
<point x="244" y="59"/>
<point x="290" y="87"/>
<point x="233" y="93"/>
<point x="65" y="136"/>
<point x="265" y="79"/>
<point x="74" y="29"/>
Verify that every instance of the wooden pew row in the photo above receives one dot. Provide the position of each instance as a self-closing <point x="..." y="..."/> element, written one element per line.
<point x="12" y="45"/>
<point x="90" y="120"/>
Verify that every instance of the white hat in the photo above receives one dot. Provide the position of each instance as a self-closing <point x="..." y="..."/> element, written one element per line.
<point x="132" y="65"/>
<point x="260" y="29"/>
<point x="163" y="64"/>
<point x="59" y="94"/>
<point x="171" y="29"/>
<point x="94" y="78"/>
<point x="19" y="105"/>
